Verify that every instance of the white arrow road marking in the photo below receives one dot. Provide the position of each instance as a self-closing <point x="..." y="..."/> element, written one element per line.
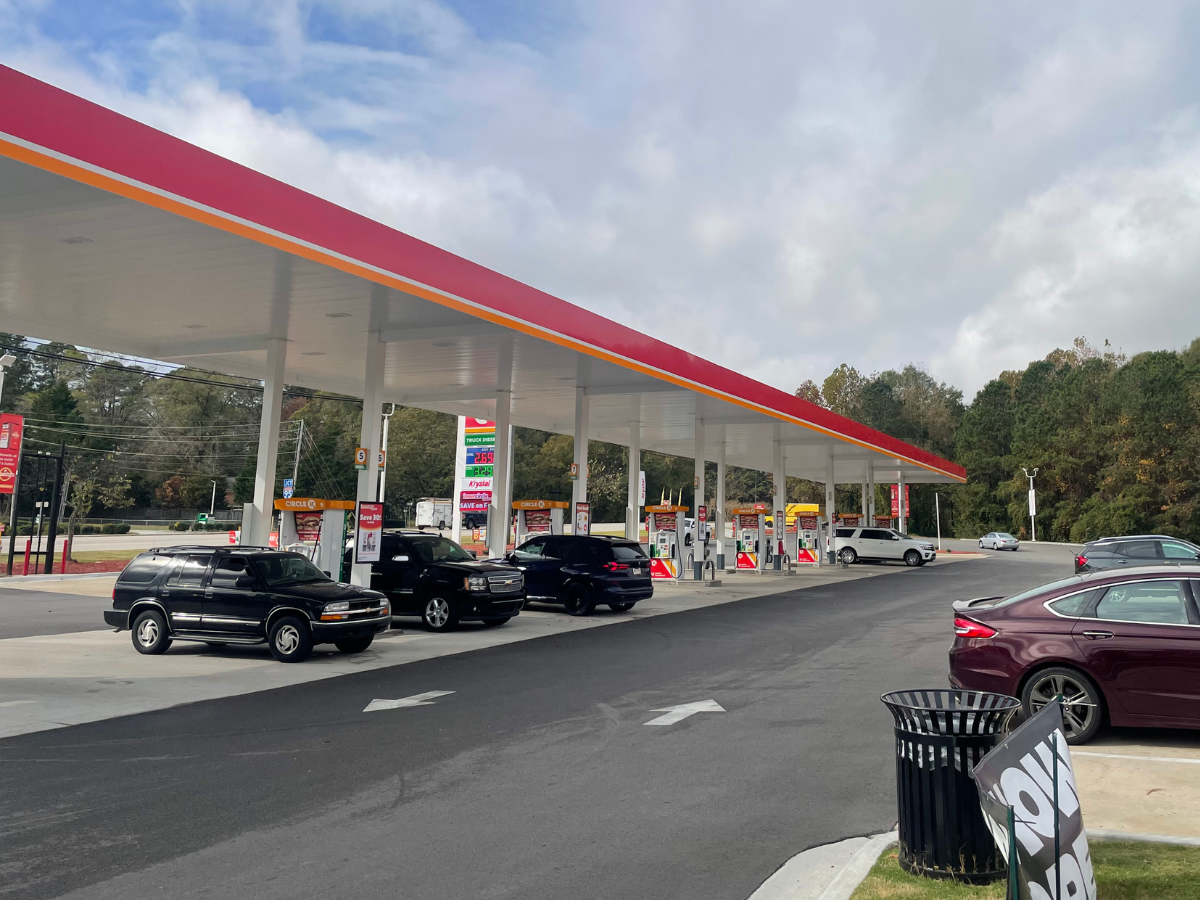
<point x="414" y="700"/>
<point x="679" y="713"/>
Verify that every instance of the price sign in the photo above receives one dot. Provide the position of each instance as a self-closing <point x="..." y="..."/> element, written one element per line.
<point x="478" y="472"/>
<point x="480" y="456"/>
<point x="289" y="488"/>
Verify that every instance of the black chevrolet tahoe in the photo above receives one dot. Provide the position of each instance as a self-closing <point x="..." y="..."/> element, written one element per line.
<point x="242" y="595"/>
<point x="432" y="577"/>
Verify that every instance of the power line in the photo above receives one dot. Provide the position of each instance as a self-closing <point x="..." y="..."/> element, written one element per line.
<point x="175" y="376"/>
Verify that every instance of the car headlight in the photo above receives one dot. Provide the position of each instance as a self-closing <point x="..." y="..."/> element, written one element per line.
<point x="339" y="606"/>
<point x="477" y="583"/>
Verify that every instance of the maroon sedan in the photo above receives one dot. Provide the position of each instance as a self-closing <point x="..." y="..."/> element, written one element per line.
<point x="1122" y="646"/>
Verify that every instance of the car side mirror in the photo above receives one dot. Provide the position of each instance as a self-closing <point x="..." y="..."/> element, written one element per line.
<point x="246" y="582"/>
<point x="399" y="559"/>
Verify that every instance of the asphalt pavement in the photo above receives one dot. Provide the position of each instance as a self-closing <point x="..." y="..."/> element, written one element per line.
<point x="24" y="612"/>
<point x="535" y="776"/>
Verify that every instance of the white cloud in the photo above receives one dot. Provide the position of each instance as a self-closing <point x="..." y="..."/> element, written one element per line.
<point x="779" y="187"/>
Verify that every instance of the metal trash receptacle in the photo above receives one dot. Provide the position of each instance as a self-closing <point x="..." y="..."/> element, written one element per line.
<point x="940" y="736"/>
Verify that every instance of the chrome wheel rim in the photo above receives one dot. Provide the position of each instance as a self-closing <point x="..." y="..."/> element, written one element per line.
<point x="847" y="556"/>
<point x="148" y="633"/>
<point x="437" y="612"/>
<point x="1079" y="708"/>
<point x="287" y="639"/>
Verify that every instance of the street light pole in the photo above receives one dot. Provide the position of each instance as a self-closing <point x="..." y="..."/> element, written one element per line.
<point x="1032" y="505"/>
<point x="212" y="504"/>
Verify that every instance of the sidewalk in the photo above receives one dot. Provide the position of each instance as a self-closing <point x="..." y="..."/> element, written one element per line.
<point x="1141" y="781"/>
<point x="53" y="680"/>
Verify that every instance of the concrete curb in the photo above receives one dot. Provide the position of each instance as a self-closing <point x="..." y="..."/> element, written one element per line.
<point x="827" y="872"/>
<point x="1107" y="834"/>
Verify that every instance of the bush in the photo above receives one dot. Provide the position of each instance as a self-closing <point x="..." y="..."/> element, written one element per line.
<point x="108" y="528"/>
<point x="122" y="528"/>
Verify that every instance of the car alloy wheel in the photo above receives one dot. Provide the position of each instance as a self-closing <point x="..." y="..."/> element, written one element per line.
<point x="148" y="632"/>
<point x="579" y="602"/>
<point x="849" y="557"/>
<point x="1080" y="706"/>
<point x="289" y="640"/>
<point x="150" y="635"/>
<point x="438" y="614"/>
<point x="912" y="558"/>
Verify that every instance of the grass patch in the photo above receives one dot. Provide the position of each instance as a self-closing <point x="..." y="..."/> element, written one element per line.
<point x="1125" y="870"/>
<point x="104" y="555"/>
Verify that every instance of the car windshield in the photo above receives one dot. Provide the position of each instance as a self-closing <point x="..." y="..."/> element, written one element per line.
<point x="440" y="549"/>
<point x="1040" y="589"/>
<point x="287" y="568"/>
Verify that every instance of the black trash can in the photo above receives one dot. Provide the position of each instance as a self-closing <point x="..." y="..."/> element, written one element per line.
<point x="940" y="736"/>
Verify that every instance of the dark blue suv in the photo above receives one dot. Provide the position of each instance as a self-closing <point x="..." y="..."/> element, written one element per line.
<point x="581" y="572"/>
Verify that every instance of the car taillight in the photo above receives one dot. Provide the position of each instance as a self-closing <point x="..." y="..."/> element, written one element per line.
<point x="616" y="566"/>
<point x="1080" y="561"/>
<point x="969" y="628"/>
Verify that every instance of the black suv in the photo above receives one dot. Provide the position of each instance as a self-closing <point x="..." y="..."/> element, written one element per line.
<point x="1136" y="550"/>
<point x="242" y="595"/>
<point x="432" y="577"/>
<point x="580" y="572"/>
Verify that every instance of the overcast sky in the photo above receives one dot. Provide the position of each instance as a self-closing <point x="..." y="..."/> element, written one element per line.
<point x="778" y="186"/>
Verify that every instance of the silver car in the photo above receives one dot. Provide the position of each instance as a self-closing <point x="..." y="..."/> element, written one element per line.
<point x="998" y="540"/>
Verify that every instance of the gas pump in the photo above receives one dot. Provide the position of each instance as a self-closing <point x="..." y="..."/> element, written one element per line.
<point x="666" y="537"/>
<point x="750" y="532"/>
<point x="808" y="539"/>
<point x="538" y="517"/>
<point x="315" y="528"/>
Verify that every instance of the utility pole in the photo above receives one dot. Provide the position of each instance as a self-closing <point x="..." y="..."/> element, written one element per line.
<point x="296" y="461"/>
<point x="387" y="418"/>
<point x="212" y="504"/>
<point x="1032" y="505"/>
<point x="937" y="510"/>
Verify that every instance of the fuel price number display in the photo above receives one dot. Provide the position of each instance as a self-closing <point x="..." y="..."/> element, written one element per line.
<point x="479" y="462"/>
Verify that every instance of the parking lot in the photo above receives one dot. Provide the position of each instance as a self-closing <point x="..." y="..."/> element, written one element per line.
<point x="522" y="755"/>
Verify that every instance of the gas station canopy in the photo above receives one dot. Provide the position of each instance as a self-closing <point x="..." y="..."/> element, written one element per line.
<point x="118" y="237"/>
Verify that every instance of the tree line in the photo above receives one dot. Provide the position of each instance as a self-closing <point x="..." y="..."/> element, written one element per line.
<point x="1114" y="440"/>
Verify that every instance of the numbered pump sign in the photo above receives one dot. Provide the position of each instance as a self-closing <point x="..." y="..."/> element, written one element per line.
<point x="369" y="537"/>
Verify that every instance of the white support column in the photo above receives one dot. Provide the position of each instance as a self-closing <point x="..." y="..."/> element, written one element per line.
<point x="830" y="504"/>
<point x="259" y="532"/>
<point x="903" y="506"/>
<point x="871" y="496"/>
<point x="719" y="512"/>
<point x="633" y="512"/>
<point x="779" y="513"/>
<point x="579" y="492"/>
<point x="863" y="497"/>
<point x="698" y="501"/>
<point x="498" y="509"/>
<point x="370" y="436"/>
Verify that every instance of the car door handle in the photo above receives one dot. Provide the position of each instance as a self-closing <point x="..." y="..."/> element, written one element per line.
<point x="1098" y="635"/>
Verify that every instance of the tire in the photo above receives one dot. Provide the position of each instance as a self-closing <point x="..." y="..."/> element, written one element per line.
<point x="848" y="556"/>
<point x="290" y="640"/>
<point x="150" y="635"/>
<point x="354" y="645"/>
<point x="620" y="607"/>
<point x="496" y="623"/>
<point x="579" y="601"/>
<point x="1081" y="719"/>
<point x="439" y="614"/>
<point x="981" y="545"/>
<point x="912" y="558"/>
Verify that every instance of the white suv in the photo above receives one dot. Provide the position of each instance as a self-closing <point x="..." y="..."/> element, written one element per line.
<point x="853" y="544"/>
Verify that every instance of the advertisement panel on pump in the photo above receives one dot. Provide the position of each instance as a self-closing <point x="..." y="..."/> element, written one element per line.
<point x="11" y="431"/>
<point x="369" y="537"/>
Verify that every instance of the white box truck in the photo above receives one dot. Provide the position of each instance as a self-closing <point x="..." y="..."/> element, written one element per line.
<point x="434" y="513"/>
